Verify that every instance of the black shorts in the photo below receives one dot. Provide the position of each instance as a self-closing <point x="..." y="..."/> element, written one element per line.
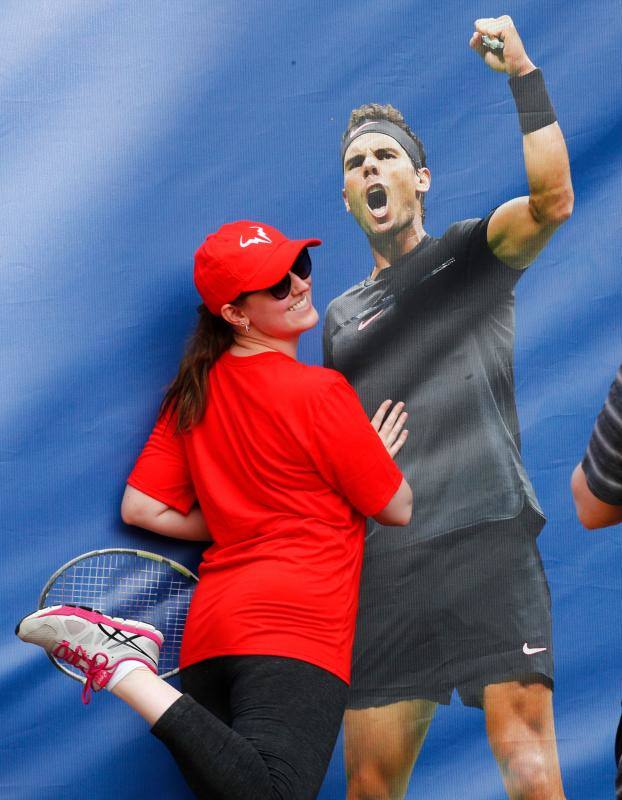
<point x="464" y="610"/>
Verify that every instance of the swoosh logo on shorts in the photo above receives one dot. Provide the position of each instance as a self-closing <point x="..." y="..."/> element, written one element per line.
<point x="366" y="322"/>
<point x="529" y="651"/>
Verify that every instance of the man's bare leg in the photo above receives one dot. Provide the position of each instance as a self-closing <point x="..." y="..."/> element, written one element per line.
<point x="521" y="732"/>
<point x="381" y="747"/>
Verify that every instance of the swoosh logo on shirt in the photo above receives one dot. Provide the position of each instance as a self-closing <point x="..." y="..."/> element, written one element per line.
<point x="364" y="323"/>
<point x="529" y="651"/>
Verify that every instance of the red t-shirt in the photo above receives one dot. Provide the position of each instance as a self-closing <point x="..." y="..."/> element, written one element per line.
<point x="285" y="466"/>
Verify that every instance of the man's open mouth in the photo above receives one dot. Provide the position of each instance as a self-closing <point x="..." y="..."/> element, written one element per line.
<point x="377" y="200"/>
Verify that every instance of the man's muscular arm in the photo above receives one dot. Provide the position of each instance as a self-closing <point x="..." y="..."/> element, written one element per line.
<point x="520" y="228"/>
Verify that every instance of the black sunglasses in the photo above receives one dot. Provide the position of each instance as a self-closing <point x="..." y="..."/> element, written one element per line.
<point x="301" y="267"/>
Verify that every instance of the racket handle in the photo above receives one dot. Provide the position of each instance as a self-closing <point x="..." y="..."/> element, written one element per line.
<point x="492" y="43"/>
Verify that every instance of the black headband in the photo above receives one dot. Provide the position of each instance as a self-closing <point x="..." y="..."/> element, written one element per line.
<point x="389" y="129"/>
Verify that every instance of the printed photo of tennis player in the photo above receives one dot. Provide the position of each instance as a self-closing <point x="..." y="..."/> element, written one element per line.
<point x="458" y="599"/>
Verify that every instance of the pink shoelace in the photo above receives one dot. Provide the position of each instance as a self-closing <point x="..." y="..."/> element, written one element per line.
<point x="94" y="668"/>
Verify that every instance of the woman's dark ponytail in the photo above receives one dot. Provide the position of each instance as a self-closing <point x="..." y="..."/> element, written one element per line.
<point x="187" y="394"/>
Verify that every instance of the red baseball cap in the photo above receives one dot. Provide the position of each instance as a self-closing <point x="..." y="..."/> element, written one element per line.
<point x="241" y="257"/>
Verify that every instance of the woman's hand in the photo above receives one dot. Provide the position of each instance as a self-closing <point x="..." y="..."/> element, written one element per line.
<point x="389" y="426"/>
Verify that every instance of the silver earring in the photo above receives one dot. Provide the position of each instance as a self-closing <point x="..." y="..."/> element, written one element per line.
<point x="246" y="326"/>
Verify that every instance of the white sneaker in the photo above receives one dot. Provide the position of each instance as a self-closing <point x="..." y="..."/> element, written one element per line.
<point x="92" y="642"/>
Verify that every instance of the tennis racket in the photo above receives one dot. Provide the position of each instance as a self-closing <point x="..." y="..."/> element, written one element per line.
<point x="131" y="584"/>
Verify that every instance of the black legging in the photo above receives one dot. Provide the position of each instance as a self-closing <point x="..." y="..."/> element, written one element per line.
<point x="254" y="727"/>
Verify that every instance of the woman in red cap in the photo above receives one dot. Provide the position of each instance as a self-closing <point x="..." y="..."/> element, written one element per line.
<point x="277" y="464"/>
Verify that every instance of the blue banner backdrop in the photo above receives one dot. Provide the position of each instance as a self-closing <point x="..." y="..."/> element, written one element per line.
<point x="130" y="130"/>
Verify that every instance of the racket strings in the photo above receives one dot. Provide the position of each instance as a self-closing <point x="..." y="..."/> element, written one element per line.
<point x="124" y="585"/>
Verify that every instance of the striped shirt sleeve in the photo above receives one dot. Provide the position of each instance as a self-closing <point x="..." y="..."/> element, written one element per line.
<point x="602" y="463"/>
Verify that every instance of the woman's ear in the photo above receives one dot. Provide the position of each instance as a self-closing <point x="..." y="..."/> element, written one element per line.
<point x="233" y="315"/>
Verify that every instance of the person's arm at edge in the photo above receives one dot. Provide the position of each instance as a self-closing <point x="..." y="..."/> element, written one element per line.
<point x="143" y="511"/>
<point x="597" y="480"/>
<point x="520" y="228"/>
<point x="592" y="512"/>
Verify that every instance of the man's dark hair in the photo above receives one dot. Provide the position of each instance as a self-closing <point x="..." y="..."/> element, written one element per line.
<point x="374" y="112"/>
